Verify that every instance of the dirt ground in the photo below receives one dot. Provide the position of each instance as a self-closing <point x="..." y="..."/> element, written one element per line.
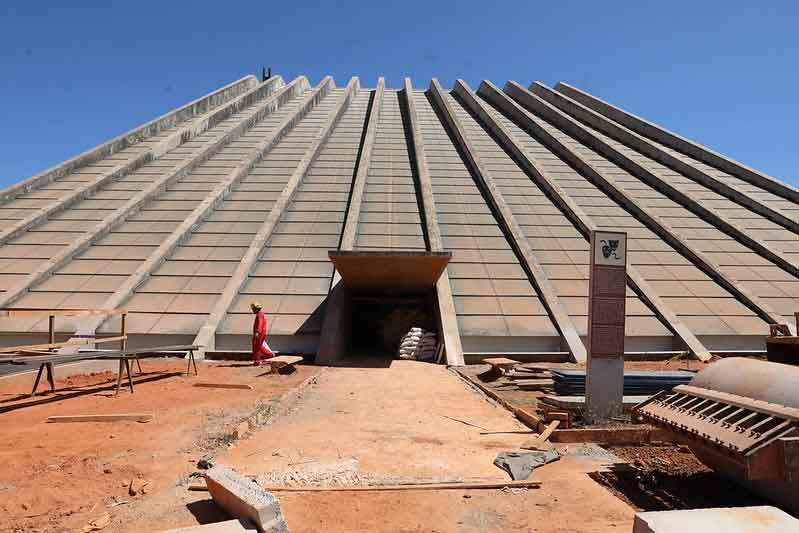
<point x="666" y="477"/>
<point x="370" y="422"/>
<point x="60" y="477"/>
<point x="377" y="425"/>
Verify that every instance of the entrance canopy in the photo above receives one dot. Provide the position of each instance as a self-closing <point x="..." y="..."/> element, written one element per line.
<point x="376" y="273"/>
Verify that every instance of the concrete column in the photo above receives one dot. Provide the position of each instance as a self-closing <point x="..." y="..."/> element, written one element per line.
<point x="681" y="144"/>
<point x="207" y="334"/>
<point x="561" y="198"/>
<point x="453" y="350"/>
<point x="134" y="136"/>
<point x="505" y="217"/>
<point x="175" y="139"/>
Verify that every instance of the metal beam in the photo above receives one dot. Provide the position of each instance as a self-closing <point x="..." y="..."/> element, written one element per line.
<point x="647" y="148"/>
<point x="206" y="337"/>
<point x="217" y="195"/>
<point x="686" y="199"/>
<point x="130" y="207"/>
<point x="453" y="350"/>
<point x="530" y="124"/>
<point x="173" y="140"/>
<point x="505" y="217"/>
<point x="681" y="144"/>
<point x="130" y="138"/>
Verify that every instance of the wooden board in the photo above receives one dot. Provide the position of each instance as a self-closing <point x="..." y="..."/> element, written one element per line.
<point x="239" y="386"/>
<point x="78" y="342"/>
<point x="33" y="311"/>
<point x="284" y="360"/>
<point x="466" y="485"/>
<point x="132" y="417"/>
<point x="500" y="362"/>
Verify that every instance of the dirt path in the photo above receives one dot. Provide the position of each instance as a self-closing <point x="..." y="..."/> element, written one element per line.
<point x="378" y="425"/>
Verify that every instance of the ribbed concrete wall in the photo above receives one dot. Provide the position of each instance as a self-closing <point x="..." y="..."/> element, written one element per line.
<point x="264" y="174"/>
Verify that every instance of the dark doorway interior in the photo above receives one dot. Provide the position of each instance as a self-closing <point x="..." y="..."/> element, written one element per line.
<point x="378" y="323"/>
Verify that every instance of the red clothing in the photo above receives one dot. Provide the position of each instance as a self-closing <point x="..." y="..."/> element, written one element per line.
<point x="258" y="338"/>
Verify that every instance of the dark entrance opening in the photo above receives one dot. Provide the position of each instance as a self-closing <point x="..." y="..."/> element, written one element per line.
<point x="380" y="297"/>
<point x="380" y="322"/>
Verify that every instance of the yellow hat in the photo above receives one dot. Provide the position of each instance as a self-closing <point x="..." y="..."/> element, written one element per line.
<point x="255" y="305"/>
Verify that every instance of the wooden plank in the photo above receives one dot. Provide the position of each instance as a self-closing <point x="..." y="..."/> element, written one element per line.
<point x="117" y="417"/>
<point x="35" y="311"/>
<point x="284" y="360"/>
<point x="76" y="342"/>
<point x="617" y="436"/>
<point x="465" y="485"/>
<point x="552" y="426"/>
<point x="501" y="362"/>
<point x="239" y="386"/>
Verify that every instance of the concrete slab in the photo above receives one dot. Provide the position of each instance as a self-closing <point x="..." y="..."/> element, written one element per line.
<point x="242" y="498"/>
<point x="228" y="526"/>
<point x="729" y="520"/>
<point x="390" y="272"/>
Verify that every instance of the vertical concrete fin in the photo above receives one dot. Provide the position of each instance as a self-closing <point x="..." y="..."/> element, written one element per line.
<point x="647" y="148"/>
<point x="681" y="144"/>
<point x="218" y="193"/>
<point x="129" y="138"/>
<point x="158" y="186"/>
<point x="518" y="240"/>
<point x="684" y="198"/>
<point x="705" y="264"/>
<point x="453" y="350"/>
<point x="206" y="337"/>
<point x="173" y="140"/>
<point x="530" y="124"/>
<point x="353" y="215"/>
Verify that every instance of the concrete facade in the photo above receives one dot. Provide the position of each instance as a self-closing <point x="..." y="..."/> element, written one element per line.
<point x="240" y="195"/>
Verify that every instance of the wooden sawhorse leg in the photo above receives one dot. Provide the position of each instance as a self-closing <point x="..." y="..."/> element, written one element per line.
<point x="50" y="378"/>
<point x="190" y="363"/>
<point x="124" y="367"/>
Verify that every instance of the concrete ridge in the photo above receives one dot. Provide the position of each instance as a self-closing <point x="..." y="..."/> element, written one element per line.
<point x="644" y="146"/>
<point x="131" y="137"/>
<point x="698" y="259"/>
<point x="206" y="337"/>
<point x="680" y="143"/>
<point x="530" y="124"/>
<point x="453" y="349"/>
<point x="686" y="199"/>
<point x="134" y="204"/>
<point x="517" y="238"/>
<point x="353" y="215"/>
<point x="175" y="139"/>
<point x="212" y="200"/>
<point x="573" y="211"/>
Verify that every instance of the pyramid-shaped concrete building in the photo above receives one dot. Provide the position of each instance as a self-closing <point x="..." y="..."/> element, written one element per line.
<point x="353" y="213"/>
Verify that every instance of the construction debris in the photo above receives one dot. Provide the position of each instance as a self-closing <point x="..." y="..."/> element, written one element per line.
<point x="521" y="464"/>
<point x="284" y="364"/>
<point x="228" y="526"/>
<point x="241" y="498"/>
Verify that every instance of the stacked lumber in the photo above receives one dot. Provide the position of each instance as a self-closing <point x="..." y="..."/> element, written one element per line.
<point x="636" y="383"/>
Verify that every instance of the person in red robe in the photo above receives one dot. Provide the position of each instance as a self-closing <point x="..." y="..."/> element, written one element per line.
<point x="259" y="346"/>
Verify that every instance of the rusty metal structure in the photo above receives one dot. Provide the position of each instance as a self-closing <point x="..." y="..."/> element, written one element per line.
<point x="741" y="418"/>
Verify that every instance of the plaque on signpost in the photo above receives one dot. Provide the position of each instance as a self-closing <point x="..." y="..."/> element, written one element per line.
<point x="606" y="310"/>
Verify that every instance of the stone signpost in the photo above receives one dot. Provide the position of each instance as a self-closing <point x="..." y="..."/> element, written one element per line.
<point x="604" y="388"/>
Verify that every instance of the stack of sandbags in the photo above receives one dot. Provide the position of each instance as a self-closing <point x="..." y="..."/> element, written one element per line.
<point x="418" y="344"/>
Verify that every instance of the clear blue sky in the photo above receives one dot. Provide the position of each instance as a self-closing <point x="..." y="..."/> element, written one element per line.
<point x="74" y="74"/>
